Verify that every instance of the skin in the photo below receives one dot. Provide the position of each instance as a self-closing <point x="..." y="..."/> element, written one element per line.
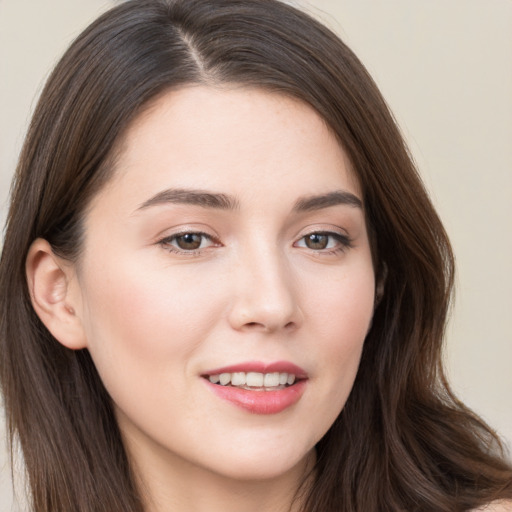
<point x="156" y="317"/>
<point x="496" y="506"/>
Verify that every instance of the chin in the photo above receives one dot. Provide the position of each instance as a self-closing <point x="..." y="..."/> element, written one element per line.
<point x="260" y="468"/>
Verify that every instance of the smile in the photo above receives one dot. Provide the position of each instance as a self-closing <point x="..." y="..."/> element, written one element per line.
<point x="257" y="387"/>
<point x="254" y="381"/>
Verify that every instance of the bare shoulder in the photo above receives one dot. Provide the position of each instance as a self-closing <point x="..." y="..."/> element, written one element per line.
<point x="496" y="506"/>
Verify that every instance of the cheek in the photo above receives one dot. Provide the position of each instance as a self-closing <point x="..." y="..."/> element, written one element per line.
<point x="342" y="305"/>
<point x="144" y="322"/>
<point x="341" y="317"/>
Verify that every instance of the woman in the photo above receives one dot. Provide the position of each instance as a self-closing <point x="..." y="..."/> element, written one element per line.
<point x="232" y="280"/>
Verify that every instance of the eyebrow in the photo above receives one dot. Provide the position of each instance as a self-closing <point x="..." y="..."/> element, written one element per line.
<point x="192" y="197"/>
<point x="226" y="202"/>
<point x="318" y="202"/>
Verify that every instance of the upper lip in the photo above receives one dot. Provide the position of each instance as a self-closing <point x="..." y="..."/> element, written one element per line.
<point x="261" y="367"/>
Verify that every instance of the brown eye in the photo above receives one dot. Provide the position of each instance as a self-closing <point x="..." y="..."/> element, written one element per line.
<point x="316" y="241"/>
<point x="183" y="243"/>
<point x="325" y="242"/>
<point x="189" y="241"/>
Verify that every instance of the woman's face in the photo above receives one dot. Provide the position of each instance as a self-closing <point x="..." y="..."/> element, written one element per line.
<point x="229" y="245"/>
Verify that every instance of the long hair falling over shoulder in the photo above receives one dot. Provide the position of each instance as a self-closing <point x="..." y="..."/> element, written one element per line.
<point x="403" y="441"/>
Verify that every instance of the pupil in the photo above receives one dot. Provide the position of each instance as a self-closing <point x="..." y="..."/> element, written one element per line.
<point x="189" y="241"/>
<point x="317" y="241"/>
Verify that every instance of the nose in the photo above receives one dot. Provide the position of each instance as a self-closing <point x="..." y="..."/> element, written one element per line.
<point x="265" y="296"/>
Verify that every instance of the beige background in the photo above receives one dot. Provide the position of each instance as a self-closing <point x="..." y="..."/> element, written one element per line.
<point x="445" y="67"/>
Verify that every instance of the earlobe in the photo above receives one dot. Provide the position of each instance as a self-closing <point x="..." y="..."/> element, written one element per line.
<point x="48" y="279"/>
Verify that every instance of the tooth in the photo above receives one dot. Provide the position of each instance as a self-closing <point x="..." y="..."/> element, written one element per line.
<point x="254" y="379"/>
<point x="225" y="378"/>
<point x="238" y="379"/>
<point x="271" y="380"/>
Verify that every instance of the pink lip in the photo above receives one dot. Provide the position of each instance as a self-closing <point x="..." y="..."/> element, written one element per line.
<point x="260" y="402"/>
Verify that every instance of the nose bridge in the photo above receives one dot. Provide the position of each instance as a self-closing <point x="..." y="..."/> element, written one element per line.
<point x="265" y="295"/>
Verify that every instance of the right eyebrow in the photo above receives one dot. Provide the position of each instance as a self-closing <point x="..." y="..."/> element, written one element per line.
<point x="192" y="197"/>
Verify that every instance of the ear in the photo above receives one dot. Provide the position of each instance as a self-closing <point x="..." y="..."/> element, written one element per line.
<point x="49" y="281"/>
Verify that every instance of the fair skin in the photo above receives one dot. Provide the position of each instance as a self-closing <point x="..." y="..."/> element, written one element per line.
<point x="497" y="506"/>
<point x="171" y="286"/>
<point x="272" y="268"/>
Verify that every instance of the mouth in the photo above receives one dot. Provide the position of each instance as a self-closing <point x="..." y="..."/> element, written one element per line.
<point x="254" y="381"/>
<point x="257" y="387"/>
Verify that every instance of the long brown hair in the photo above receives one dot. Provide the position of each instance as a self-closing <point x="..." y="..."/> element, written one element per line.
<point x="402" y="441"/>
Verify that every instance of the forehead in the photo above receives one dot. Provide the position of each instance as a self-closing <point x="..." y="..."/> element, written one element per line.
<point x="236" y="138"/>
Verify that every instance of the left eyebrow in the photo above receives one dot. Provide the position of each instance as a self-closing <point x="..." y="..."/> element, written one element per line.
<point x="318" y="202"/>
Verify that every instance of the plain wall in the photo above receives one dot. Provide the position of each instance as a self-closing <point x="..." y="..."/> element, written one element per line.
<point x="445" y="68"/>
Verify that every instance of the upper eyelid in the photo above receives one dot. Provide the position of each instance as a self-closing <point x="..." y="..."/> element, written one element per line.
<point x="188" y="232"/>
<point x="328" y="230"/>
<point x="328" y="223"/>
<point x="169" y="233"/>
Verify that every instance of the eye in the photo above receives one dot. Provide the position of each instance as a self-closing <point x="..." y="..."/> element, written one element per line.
<point x="321" y="241"/>
<point x="188" y="242"/>
<point x="317" y="241"/>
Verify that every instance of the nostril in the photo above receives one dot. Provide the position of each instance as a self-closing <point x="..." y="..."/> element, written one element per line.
<point x="289" y="326"/>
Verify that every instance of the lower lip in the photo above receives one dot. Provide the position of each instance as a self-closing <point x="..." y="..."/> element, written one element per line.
<point x="260" y="402"/>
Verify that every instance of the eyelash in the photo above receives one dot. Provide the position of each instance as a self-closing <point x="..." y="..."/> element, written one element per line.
<point x="344" y="243"/>
<point x="166" y="243"/>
